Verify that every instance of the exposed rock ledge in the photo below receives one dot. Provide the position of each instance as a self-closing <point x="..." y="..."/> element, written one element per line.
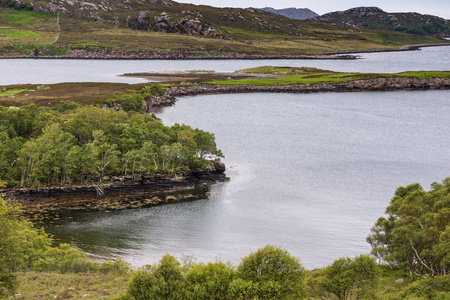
<point x="370" y="85"/>
<point x="120" y="192"/>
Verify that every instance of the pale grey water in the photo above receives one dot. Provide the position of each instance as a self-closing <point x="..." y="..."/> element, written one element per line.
<point x="309" y="172"/>
<point x="47" y="71"/>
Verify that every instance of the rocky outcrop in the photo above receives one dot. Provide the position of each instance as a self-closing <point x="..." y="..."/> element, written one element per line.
<point x="141" y="22"/>
<point x="369" y="85"/>
<point x="189" y="24"/>
<point x="121" y="192"/>
<point x="164" y="23"/>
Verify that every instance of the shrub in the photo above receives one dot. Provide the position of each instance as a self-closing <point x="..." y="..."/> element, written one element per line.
<point x="270" y="273"/>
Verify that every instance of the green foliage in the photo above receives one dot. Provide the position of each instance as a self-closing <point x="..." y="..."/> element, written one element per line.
<point x="289" y="76"/>
<point x="350" y="278"/>
<point x="38" y="148"/>
<point x="20" y="246"/>
<point x="208" y="281"/>
<point x="162" y="281"/>
<point x="427" y="288"/>
<point x="65" y="106"/>
<point x="270" y="273"/>
<point x="15" y="5"/>
<point x="23" y="248"/>
<point x="13" y="91"/>
<point x="415" y="236"/>
<point x="131" y="102"/>
<point x="63" y="259"/>
<point x="135" y="100"/>
<point x="154" y="89"/>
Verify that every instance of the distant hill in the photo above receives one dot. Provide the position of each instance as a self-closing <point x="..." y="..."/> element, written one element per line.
<point x="376" y="18"/>
<point x="168" y="29"/>
<point x="293" y="13"/>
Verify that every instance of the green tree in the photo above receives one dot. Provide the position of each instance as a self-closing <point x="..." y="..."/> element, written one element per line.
<point x="43" y="158"/>
<point x="350" y="278"/>
<point x="269" y="273"/>
<point x="206" y="144"/>
<point x="20" y="246"/>
<point x="162" y="281"/>
<point x="414" y="236"/>
<point x="208" y="281"/>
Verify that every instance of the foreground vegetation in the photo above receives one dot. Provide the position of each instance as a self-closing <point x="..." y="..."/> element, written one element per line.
<point x="413" y="242"/>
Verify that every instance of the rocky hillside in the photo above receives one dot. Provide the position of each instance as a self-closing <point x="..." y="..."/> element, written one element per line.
<point x="167" y="29"/>
<point x="376" y="18"/>
<point x="166" y="16"/>
<point x="293" y="13"/>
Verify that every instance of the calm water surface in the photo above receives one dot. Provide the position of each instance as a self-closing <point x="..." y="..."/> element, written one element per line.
<point x="310" y="173"/>
<point x="46" y="71"/>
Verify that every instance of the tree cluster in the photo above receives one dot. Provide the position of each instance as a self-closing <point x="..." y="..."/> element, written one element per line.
<point x="19" y="5"/>
<point x="268" y="273"/>
<point x="23" y="248"/>
<point x="415" y="236"/>
<point x="39" y="146"/>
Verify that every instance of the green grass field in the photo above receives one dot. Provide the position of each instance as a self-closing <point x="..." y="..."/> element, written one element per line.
<point x="290" y="76"/>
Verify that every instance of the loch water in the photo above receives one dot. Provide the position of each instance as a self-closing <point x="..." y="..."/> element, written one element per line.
<point x="47" y="71"/>
<point x="309" y="172"/>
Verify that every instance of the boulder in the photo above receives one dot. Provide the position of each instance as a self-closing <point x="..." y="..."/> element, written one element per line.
<point x="141" y="21"/>
<point x="164" y="23"/>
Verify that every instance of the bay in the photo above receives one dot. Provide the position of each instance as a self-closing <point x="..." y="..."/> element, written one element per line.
<point x="309" y="172"/>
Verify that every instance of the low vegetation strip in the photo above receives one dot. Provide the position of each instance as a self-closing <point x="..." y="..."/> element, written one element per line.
<point x="291" y="76"/>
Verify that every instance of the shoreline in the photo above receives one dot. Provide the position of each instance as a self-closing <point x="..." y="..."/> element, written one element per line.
<point x="401" y="49"/>
<point x="121" y="192"/>
<point x="181" y="55"/>
<point x="370" y="85"/>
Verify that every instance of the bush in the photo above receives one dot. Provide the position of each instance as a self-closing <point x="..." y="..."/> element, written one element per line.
<point x="350" y="278"/>
<point x="208" y="281"/>
<point x="162" y="281"/>
<point x="270" y="273"/>
<point x="68" y="106"/>
<point x="64" y="259"/>
<point x="20" y="245"/>
<point x="131" y="102"/>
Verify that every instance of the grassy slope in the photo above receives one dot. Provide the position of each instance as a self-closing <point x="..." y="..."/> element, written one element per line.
<point x="34" y="285"/>
<point x="22" y="31"/>
<point x="82" y="93"/>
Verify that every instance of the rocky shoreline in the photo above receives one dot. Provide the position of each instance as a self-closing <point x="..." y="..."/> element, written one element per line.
<point x="175" y="55"/>
<point x="205" y="55"/>
<point x="369" y="85"/>
<point x="119" y="192"/>
<point x="403" y="48"/>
